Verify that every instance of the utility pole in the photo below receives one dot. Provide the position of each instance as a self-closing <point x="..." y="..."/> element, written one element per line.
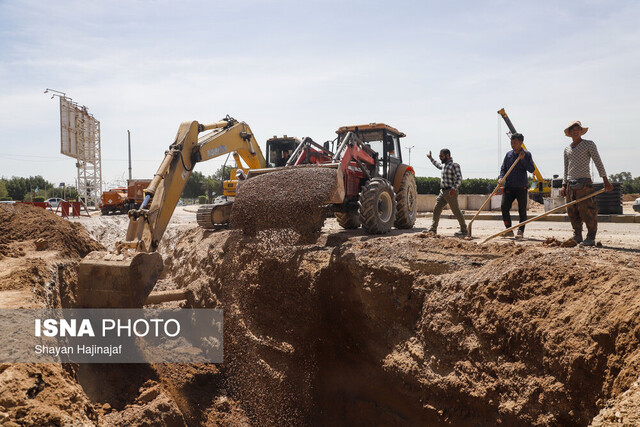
<point x="410" y="148"/>
<point x="129" y="136"/>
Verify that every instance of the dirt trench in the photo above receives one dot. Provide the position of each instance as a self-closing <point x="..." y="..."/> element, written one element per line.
<point x="416" y="329"/>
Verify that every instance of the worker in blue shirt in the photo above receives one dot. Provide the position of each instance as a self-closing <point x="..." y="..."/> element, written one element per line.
<point x="515" y="186"/>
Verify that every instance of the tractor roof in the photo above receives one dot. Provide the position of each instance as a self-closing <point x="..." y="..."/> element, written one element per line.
<point x="370" y="126"/>
<point x="283" y="138"/>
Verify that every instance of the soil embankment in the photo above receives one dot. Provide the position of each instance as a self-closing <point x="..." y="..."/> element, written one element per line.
<point x="415" y="328"/>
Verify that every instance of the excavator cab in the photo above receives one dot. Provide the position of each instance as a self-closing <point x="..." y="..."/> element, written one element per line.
<point x="279" y="150"/>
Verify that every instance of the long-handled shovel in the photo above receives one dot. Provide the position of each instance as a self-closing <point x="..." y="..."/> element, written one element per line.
<point x="544" y="214"/>
<point x="492" y="193"/>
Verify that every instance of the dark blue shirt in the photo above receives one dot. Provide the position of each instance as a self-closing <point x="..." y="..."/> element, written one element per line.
<point x="518" y="176"/>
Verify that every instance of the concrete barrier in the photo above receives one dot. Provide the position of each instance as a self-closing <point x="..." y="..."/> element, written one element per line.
<point x="462" y="201"/>
<point x="474" y="201"/>
<point x="426" y="202"/>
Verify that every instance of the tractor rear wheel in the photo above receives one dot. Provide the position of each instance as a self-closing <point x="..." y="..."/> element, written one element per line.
<point x="349" y="220"/>
<point x="377" y="203"/>
<point x="407" y="202"/>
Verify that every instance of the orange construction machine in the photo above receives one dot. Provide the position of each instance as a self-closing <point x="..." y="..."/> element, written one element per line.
<point x="122" y="199"/>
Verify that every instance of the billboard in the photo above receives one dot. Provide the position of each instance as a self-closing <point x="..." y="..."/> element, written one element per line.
<point x="78" y="130"/>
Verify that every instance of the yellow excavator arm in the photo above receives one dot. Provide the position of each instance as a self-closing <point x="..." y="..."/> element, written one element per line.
<point x="146" y="227"/>
<point x="126" y="278"/>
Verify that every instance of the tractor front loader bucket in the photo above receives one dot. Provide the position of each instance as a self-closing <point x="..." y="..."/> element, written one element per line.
<point x="337" y="191"/>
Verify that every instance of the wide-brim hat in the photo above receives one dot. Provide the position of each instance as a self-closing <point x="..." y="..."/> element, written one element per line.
<point x="584" y="129"/>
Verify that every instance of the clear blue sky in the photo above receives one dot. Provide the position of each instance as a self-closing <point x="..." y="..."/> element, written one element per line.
<point x="436" y="70"/>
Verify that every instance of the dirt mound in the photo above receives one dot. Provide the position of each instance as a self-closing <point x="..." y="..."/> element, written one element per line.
<point x="535" y="206"/>
<point x="26" y="223"/>
<point x="152" y="407"/>
<point x="290" y="198"/>
<point x="417" y="329"/>
<point x="43" y="394"/>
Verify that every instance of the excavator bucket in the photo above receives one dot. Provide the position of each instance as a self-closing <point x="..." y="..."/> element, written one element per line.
<point x="107" y="280"/>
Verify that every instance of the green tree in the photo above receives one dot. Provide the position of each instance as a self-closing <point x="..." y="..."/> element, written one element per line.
<point x="212" y="186"/>
<point x="477" y="185"/>
<point x="213" y="183"/>
<point x="223" y="172"/>
<point x="621" y="177"/>
<point x="427" y="185"/>
<point x="3" y="190"/>
<point x="431" y="185"/>
<point x="195" y="186"/>
<point x="17" y="187"/>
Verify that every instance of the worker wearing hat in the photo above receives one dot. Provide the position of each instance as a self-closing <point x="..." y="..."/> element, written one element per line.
<point x="577" y="182"/>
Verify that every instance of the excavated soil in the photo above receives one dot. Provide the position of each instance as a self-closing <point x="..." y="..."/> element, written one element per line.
<point x="89" y="394"/>
<point x="417" y="329"/>
<point x="345" y="328"/>
<point x="265" y="202"/>
<point x="24" y="224"/>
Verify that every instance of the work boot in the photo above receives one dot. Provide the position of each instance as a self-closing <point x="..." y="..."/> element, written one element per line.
<point x="577" y="237"/>
<point x="461" y="233"/>
<point x="433" y="230"/>
<point x="508" y="234"/>
<point x="588" y="242"/>
<point x="520" y="235"/>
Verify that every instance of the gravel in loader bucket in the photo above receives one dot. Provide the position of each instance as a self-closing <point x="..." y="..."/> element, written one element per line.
<point x="292" y="197"/>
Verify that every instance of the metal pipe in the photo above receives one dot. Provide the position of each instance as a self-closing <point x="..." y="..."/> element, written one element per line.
<point x="146" y="200"/>
<point x="166" y="296"/>
<point x="216" y="125"/>
<point x="129" y="137"/>
<point x="296" y="152"/>
<point x="343" y="144"/>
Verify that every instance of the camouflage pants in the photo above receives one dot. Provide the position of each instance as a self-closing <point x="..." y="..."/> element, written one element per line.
<point x="585" y="211"/>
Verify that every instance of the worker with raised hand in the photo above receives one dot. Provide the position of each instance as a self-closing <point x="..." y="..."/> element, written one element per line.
<point x="577" y="182"/>
<point x="449" y="184"/>
<point x="516" y="183"/>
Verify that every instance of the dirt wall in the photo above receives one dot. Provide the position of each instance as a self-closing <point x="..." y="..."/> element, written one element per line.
<point x="416" y="329"/>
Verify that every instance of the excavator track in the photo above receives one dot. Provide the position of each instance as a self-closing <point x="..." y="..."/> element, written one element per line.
<point x="213" y="217"/>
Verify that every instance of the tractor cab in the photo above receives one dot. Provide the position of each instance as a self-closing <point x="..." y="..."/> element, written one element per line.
<point x="383" y="140"/>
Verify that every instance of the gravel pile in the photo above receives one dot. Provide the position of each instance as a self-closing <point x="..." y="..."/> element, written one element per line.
<point x="288" y="199"/>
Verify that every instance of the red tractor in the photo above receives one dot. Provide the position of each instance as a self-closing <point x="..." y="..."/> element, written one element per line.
<point x="374" y="188"/>
<point x="380" y="190"/>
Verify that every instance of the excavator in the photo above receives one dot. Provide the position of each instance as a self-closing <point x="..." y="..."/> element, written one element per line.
<point x="541" y="187"/>
<point x="125" y="279"/>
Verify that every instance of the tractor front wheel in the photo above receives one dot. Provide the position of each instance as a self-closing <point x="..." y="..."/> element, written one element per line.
<point x="377" y="204"/>
<point x="407" y="202"/>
